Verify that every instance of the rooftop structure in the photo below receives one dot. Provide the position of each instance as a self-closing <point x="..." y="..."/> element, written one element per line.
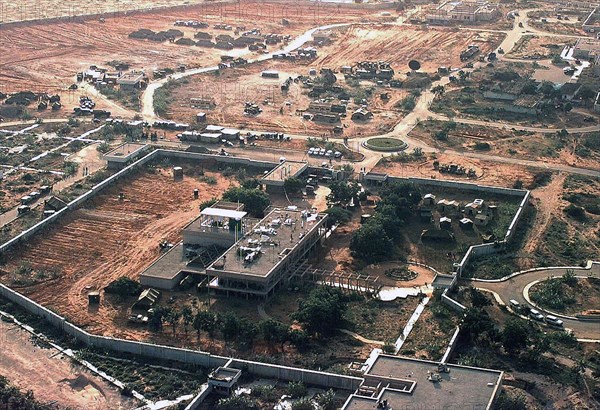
<point x="412" y="383"/>
<point x="123" y="154"/>
<point x="261" y="259"/>
<point x="286" y="169"/>
<point x="131" y="79"/>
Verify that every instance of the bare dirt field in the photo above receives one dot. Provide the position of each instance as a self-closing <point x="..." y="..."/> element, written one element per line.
<point x="281" y="111"/>
<point x="433" y="47"/>
<point x="573" y="149"/>
<point x="488" y="173"/>
<point x="46" y="56"/>
<point x="537" y="47"/>
<point x="52" y="376"/>
<point x="107" y="239"/>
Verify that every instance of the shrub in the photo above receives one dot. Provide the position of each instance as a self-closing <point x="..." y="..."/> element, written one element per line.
<point x="296" y="390"/>
<point x="208" y="179"/>
<point x="124" y="286"/>
<point x="303" y="404"/>
<point x="237" y="403"/>
<point x="576" y="212"/>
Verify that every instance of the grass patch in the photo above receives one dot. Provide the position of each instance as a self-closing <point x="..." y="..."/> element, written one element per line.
<point x="385" y="144"/>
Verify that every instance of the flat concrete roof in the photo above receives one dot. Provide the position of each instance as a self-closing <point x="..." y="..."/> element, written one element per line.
<point x="462" y="388"/>
<point x="125" y="152"/>
<point x="282" y="239"/>
<point x="283" y="171"/>
<point x="170" y="264"/>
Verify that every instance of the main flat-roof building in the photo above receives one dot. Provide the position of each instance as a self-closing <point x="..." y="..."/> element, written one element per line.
<point x="262" y="259"/>
<point x="406" y="383"/>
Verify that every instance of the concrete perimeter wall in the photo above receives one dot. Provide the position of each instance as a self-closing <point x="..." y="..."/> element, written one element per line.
<point x="199" y="358"/>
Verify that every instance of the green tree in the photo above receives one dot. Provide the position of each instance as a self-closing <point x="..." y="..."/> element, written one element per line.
<point x="298" y="338"/>
<point x="293" y="185"/>
<point x="338" y="215"/>
<point x="231" y="326"/>
<point x="172" y="316"/>
<point x="371" y="243"/>
<point x="477" y="326"/>
<point x="327" y="400"/>
<point x="205" y="320"/>
<point x="342" y="192"/>
<point x="255" y="201"/>
<point x="237" y="403"/>
<point x="273" y="331"/>
<point x="322" y="311"/>
<point x="515" y="335"/>
<point x="478" y="299"/>
<point x="188" y="317"/>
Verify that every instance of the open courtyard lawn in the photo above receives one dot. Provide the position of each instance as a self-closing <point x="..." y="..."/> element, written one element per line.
<point x="569" y="295"/>
<point x="431" y="334"/>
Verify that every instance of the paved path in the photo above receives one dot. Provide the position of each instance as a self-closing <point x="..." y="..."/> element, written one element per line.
<point x="513" y="288"/>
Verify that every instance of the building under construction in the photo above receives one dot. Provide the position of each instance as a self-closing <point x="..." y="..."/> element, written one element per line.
<point x="234" y="253"/>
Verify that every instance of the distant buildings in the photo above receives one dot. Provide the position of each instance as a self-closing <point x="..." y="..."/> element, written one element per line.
<point x="463" y="11"/>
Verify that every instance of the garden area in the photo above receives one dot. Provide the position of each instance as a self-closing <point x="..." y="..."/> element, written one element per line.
<point x="385" y="144"/>
<point x="568" y="294"/>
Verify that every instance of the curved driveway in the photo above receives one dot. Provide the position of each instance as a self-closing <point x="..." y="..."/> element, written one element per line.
<point x="513" y="287"/>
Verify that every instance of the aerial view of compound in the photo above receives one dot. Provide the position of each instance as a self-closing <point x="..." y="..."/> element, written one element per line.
<point x="300" y="205"/>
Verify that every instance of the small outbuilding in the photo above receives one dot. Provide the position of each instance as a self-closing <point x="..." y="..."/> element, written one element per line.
<point x="446" y="223"/>
<point x="466" y="224"/>
<point x="147" y="299"/>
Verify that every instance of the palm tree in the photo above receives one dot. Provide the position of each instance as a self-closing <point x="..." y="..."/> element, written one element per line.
<point x="188" y="317"/>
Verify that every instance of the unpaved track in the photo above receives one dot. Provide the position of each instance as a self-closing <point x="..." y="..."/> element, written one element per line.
<point x="548" y="204"/>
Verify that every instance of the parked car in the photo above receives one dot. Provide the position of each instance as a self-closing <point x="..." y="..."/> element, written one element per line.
<point x="311" y="151"/>
<point x="536" y="315"/>
<point x="554" y="321"/>
<point x="337" y="154"/>
<point x="322" y="152"/>
<point x="515" y="305"/>
<point x="329" y="153"/>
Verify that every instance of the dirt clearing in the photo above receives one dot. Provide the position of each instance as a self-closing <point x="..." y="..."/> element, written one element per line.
<point x="106" y="239"/>
<point x="52" y="376"/>
<point x="433" y="47"/>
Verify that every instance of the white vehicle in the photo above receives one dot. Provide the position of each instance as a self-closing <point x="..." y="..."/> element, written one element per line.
<point x="554" y="321"/>
<point x="322" y="152"/>
<point x="281" y="160"/>
<point x="514" y="304"/>
<point x="337" y="154"/>
<point x="311" y="151"/>
<point x="536" y="315"/>
<point x="329" y="153"/>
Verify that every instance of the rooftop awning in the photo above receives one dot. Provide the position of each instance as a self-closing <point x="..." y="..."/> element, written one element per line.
<point x="224" y="213"/>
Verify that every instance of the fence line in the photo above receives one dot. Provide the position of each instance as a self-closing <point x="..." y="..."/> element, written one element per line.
<point x="199" y="358"/>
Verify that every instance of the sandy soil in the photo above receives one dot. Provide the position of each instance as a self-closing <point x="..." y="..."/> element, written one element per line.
<point x="548" y="203"/>
<point x="538" y="47"/>
<point x="433" y="47"/>
<point x="51" y="376"/>
<point x="61" y="49"/>
<point x="281" y="111"/>
<point x="107" y="239"/>
<point x="489" y="173"/>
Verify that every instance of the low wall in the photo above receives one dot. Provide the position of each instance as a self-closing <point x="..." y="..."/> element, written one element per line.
<point x="199" y="358"/>
<point x="451" y="346"/>
<point x="452" y="303"/>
